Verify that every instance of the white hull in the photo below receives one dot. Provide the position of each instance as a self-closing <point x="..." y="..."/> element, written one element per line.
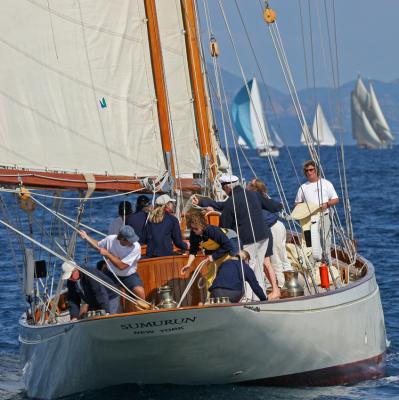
<point x="274" y="152"/>
<point x="194" y="346"/>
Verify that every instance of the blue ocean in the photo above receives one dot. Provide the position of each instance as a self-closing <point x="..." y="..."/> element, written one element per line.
<point x="374" y="192"/>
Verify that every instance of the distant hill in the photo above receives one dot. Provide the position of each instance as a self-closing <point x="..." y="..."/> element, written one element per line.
<point x="283" y="117"/>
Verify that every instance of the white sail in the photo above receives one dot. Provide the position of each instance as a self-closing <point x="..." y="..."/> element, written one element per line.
<point x="241" y="142"/>
<point x="375" y="133"/>
<point x="362" y="130"/>
<point x="277" y="139"/>
<point x="85" y="104"/>
<point x="321" y="133"/>
<point x="361" y="93"/>
<point x="321" y="130"/>
<point x="379" y="122"/>
<point x="303" y="140"/>
<point x="91" y="100"/>
<point x="257" y="121"/>
<point x="179" y="87"/>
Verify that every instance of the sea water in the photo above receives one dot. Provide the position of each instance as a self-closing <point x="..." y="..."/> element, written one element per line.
<point x="373" y="185"/>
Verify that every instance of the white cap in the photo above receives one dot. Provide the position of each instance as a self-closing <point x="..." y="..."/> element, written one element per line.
<point x="228" y="178"/>
<point x="67" y="269"/>
<point x="163" y="199"/>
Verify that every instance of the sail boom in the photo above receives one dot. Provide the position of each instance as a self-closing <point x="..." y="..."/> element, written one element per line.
<point x="77" y="181"/>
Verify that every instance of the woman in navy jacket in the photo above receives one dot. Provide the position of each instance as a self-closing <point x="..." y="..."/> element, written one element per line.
<point x="163" y="229"/>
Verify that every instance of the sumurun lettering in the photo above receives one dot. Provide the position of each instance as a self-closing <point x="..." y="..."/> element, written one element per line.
<point x="162" y="322"/>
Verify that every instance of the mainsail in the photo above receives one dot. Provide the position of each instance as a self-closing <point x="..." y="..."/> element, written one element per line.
<point x="247" y="113"/>
<point x="321" y="132"/>
<point x="369" y="126"/>
<point x="79" y="92"/>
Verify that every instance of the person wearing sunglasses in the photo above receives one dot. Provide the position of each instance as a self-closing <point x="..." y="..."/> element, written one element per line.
<point x="320" y="192"/>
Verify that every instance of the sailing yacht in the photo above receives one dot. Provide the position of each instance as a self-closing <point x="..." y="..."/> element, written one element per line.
<point x="321" y="132"/>
<point x="369" y="126"/>
<point x="249" y="122"/>
<point x="101" y="100"/>
<point x="277" y="139"/>
<point x="242" y="143"/>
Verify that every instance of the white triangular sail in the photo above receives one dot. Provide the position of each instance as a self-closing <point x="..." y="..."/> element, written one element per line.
<point x="375" y="133"/>
<point x="277" y="139"/>
<point x="241" y="142"/>
<point x="257" y="121"/>
<point x="321" y="134"/>
<point x="362" y="130"/>
<point x="379" y="122"/>
<point x="321" y="130"/>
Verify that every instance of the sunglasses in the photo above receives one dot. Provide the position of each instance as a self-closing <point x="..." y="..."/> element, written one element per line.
<point x="309" y="169"/>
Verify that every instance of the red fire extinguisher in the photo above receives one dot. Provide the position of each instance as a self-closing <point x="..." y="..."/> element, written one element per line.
<point x="324" y="281"/>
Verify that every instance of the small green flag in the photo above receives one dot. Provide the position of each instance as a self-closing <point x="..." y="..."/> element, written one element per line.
<point x="103" y="103"/>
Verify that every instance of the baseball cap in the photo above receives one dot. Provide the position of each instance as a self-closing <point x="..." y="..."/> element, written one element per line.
<point x="67" y="269"/>
<point x="128" y="233"/>
<point x="163" y="199"/>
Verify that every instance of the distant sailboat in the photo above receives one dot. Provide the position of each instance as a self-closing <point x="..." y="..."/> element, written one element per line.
<point x="321" y="132"/>
<point x="277" y="139"/>
<point x="247" y="113"/>
<point x="369" y="126"/>
<point x="241" y="142"/>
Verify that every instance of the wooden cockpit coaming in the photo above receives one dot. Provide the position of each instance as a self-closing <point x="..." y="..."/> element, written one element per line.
<point x="157" y="272"/>
<point x="161" y="271"/>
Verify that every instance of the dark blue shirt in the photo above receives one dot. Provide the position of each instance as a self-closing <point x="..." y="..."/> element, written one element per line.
<point x="90" y="291"/>
<point x="214" y="233"/>
<point x="216" y="205"/>
<point x="161" y="237"/>
<point x="256" y="202"/>
<point x="229" y="276"/>
<point x="137" y="221"/>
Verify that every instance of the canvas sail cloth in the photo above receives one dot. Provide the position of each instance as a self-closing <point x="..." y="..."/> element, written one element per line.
<point x="77" y="89"/>
<point x="369" y="126"/>
<point x="277" y="139"/>
<point x="247" y="113"/>
<point x="321" y="132"/>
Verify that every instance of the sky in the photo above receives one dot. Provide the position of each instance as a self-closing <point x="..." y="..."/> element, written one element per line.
<point x="366" y="33"/>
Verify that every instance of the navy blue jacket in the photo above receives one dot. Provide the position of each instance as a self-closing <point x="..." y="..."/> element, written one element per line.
<point x="229" y="276"/>
<point x="214" y="233"/>
<point x="161" y="237"/>
<point x="256" y="202"/>
<point x="137" y="221"/>
<point x="216" y="205"/>
<point x="90" y="291"/>
<point x="268" y="212"/>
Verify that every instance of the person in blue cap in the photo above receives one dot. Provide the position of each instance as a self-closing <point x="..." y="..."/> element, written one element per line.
<point x="122" y="252"/>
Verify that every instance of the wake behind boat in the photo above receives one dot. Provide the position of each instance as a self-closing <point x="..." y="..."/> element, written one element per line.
<point x="102" y="101"/>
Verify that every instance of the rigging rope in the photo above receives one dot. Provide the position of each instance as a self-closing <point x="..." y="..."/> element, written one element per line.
<point x="64" y="259"/>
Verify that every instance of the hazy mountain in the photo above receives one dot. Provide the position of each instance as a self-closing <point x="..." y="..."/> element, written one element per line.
<point x="281" y="114"/>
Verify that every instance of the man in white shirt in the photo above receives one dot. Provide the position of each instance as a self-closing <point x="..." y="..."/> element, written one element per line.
<point x="123" y="252"/>
<point x="318" y="191"/>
